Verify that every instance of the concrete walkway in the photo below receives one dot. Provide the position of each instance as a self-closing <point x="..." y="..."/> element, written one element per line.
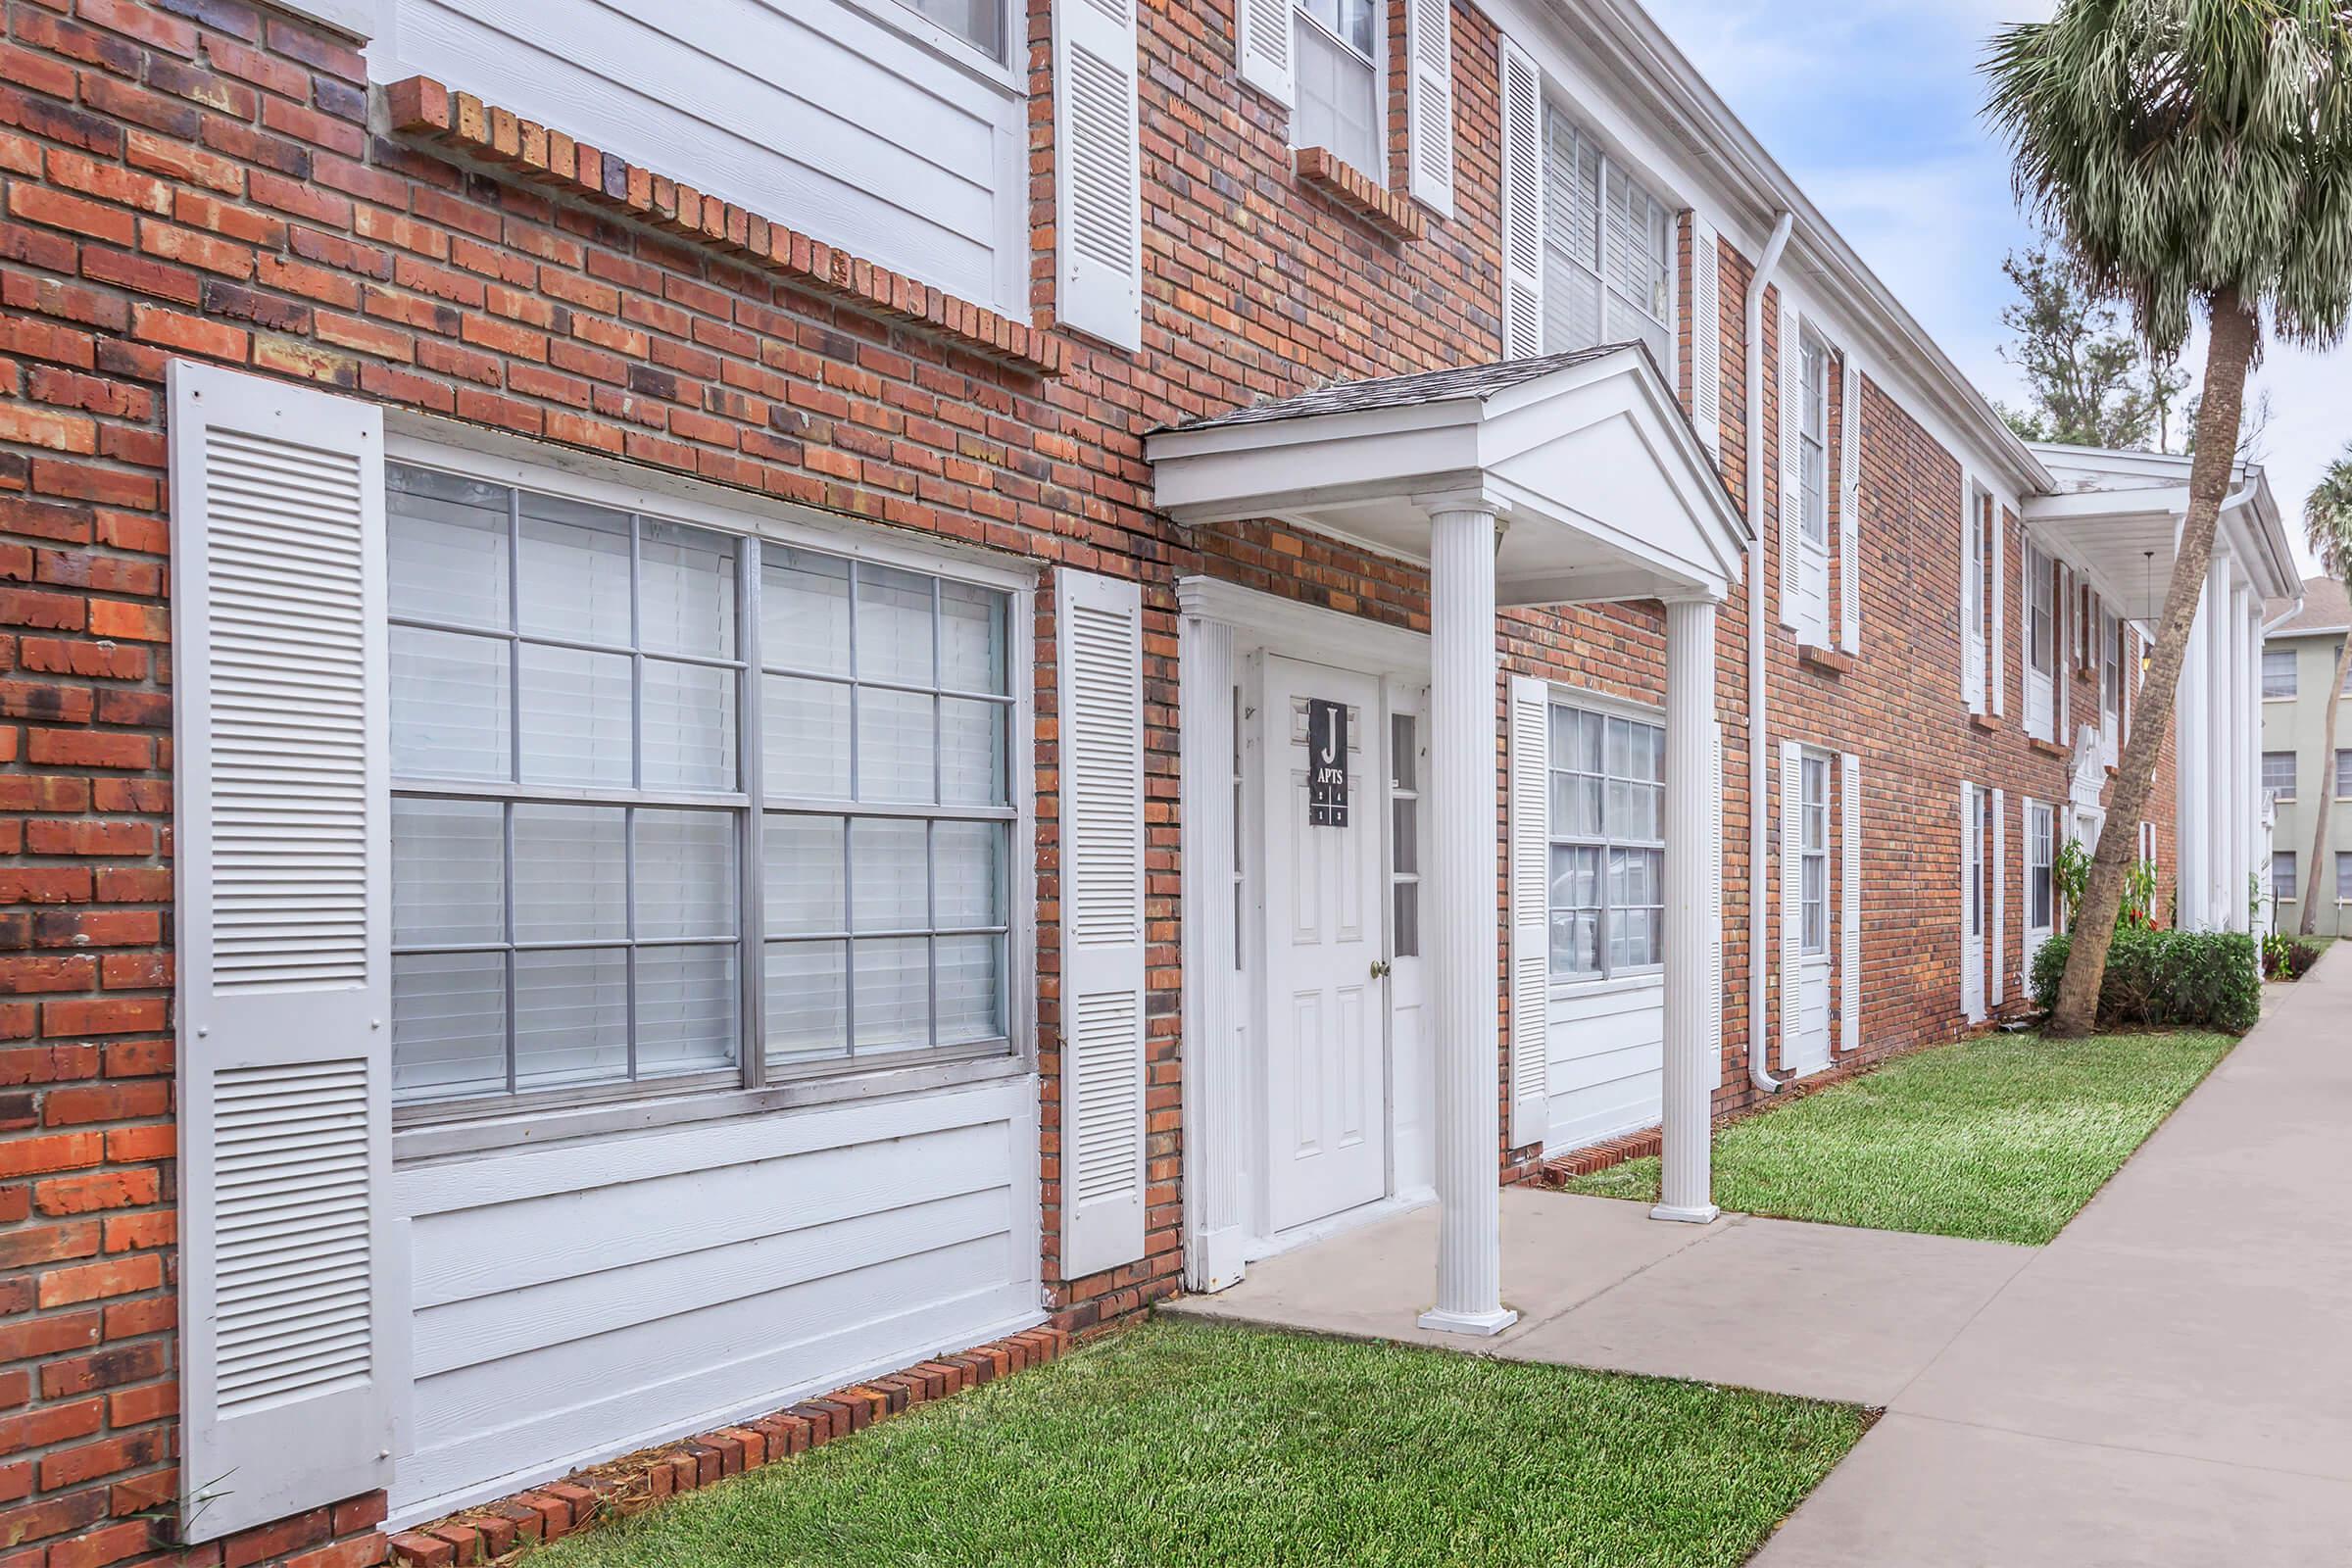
<point x="2168" y="1381"/>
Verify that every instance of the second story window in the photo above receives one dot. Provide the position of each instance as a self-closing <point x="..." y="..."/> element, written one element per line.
<point x="2042" y="623"/>
<point x="2278" y="776"/>
<point x="1608" y="249"/>
<point x="1813" y="439"/>
<point x="2278" y="672"/>
<point x="1339" y="64"/>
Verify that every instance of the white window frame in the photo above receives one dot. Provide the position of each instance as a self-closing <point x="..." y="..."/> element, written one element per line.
<point x="1612" y="171"/>
<point x="900" y="17"/>
<point x="2344" y="876"/>
<point x="1607" y="708"/>
<point x="2343" y="773"/>
<point x="1376" y="62"/>
<point x="455" y="1125"/>
<point x="1813" y="851"/>
<point x="1978" y="596"/>
<point x="2041" y="611"/>
<point x="2282" y="875"/>
<point x="2294" y="681"/>
<point x="1405" y="773"/>
<point x="2041" y="867"/>
<point x="2275" y="792"/>
<point x="1813" y="440"/>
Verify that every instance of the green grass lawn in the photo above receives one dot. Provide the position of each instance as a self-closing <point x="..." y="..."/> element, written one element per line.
<point x="1190" y="1443"/>
<point x="2003" y="1139"/>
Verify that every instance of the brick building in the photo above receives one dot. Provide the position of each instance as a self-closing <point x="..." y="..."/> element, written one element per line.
<point x="695" y="706"/>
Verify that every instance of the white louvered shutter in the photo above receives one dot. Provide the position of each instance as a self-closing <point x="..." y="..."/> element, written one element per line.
<point x="1429" y="101"/>
<point x="1098" y="202"/>
<point x="1531" y="911"/>
<point x="1266" y="48"/>
<point x="1793" y="403"/>
<point x="1967" y="829"/>
<point x="1793" y="895"/>
<point x="1974" y="656"/>
<point x="1849" y="512"/>
<point x="1850" y="955"/>
<point x="2000" y="895"/>
<point x="293" y="1304"/>
<point x="2001" y="608"/>
<point x="1522" y="203"/>
<point x="1706" y="333"/>
<point x="1099" y="646"/>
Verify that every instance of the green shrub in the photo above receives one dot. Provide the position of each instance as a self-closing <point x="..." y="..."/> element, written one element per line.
<point x="2164" y="979"/>
<point x="2285" y="958"/>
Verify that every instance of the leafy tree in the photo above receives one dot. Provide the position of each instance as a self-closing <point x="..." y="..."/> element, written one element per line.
<point x="2192" y="155"/>
<point x="2328" y="524"/>
<point x="2088" y="383"/>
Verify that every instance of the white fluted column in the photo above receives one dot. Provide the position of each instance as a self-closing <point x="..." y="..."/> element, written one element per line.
<point x="2189" y="778"/>
<point x="2221" y="893"/>
<point x="1460" y="924"/>
<point x="1694" y="1057"/>
<point x="1216" y="1103"/>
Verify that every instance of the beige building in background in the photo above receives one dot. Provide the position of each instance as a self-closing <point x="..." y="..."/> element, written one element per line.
<point x="2299" y="661"/>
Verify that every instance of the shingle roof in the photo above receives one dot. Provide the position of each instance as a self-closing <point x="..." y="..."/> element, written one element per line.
<point x="2325" y="608"/>
<point x="1481" y="382"/>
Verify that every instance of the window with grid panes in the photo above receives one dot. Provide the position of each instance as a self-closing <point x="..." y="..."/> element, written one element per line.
<point x="1337" y="89"/>
<point x="584" y="897"/>
<point x="1404" y="835"/>
<point x="2283" y="874"/>
<point x="1608" y="803"/>
<point x="2041" y="888"/>
<point x="1813" y="439"/>
<point x="1608" y="249"/>
<point x="2279" y="774"/>
<point x="1814" y="849"/>
<point x="2278" y="672"/>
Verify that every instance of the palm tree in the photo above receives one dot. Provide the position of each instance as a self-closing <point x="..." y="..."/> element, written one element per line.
<point x="2328" y="524"/>
<point x="2193" y="155"/>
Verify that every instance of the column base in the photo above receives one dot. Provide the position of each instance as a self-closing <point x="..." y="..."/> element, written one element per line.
<point x="1479" y="1323"/>
<point x="1702" y="1215"/>
<point x="1219" y="1264"/>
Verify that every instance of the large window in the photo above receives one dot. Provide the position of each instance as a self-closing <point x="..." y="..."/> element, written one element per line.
<point x="2111" y="670"/>
<point x="1608" y="249"/>
<point x="1338" y="98"/>
<point x="2278" y="672"/>
<point x="2041" y="850"/>
<point x="1815" y="851"/>
<point x="2343" y="775"/>
<point x="1608" y="847"/>
<point x="582" y="699"/>
<point x="2344" y="876"/>
<point x="2282" y="875"/>
<point x="2279" y="774"/>
<point x="1813" y="439"/>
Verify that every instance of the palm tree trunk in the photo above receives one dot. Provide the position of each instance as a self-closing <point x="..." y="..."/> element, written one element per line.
<point x="2228" y="355"/>
<point x="2324" y="806"/>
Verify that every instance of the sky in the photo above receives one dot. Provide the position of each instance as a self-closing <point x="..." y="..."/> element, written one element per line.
<point x="1873" y="106"/>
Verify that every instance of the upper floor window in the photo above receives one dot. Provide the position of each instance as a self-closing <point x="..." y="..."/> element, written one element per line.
<point x="1609" y="846"/>
<point x="2042" y="618"/>
<point x="2111" y="666"/>
<point x="1813" y="439"/>
<point x="2279" y="774"/>
<point x="1339" y="82"/>
<point x="588" y="893"/>
<point x="2278" y="672"/>
<point x="978" y="23"/>
<point x="1608" y="249"/>
<point x="2343" y="775"/>
<point x="2282" y="875"/>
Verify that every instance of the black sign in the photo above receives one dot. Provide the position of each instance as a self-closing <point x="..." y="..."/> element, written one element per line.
<point x="1326" y="764"/>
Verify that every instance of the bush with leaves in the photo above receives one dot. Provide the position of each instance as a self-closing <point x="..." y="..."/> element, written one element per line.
<point x="2285" y="958"/>
<point x="2166" y="979"/>
<point x="2139" y="895"/>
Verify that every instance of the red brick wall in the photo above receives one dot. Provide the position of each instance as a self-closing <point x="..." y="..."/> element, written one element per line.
<point x="198" y="177"/>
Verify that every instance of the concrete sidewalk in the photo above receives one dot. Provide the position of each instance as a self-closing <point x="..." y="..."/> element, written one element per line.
<point x="2168" y="1382"/>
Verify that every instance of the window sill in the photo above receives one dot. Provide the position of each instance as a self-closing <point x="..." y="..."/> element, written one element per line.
<point x="1393" y="212"/>
<point x="424" y="110"/>
<point x="1578" y="990"/>
<point x="2046" y="748"/>
<point x="1826" y="661"/>
<point x="1984" y="722"/>
<point x="503" y="1134"/>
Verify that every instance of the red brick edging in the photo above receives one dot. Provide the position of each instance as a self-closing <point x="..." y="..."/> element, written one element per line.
<point x="1393" y="212"/>
<point x="633" y="1484"/>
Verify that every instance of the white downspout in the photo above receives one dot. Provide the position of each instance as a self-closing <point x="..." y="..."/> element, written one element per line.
<point x="1759" y="1032"/>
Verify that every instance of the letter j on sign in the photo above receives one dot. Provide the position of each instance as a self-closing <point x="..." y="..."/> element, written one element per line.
<point x="1326" y="763"/>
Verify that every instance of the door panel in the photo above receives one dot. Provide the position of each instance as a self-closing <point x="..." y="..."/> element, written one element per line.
<point x="1326" y="1051"/>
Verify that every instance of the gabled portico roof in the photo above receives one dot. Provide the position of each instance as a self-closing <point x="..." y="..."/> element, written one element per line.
<point x="1587" y="456"/>
<point x="2116" y="517"/>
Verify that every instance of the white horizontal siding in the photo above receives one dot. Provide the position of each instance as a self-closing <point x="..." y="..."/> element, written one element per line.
<point x="1609" y="1045"/>
<point x="581" y="1298"/>
<point x="811" y="112"/>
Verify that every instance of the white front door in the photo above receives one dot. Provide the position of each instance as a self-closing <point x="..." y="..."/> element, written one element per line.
<point x="1326" y="1080"/>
